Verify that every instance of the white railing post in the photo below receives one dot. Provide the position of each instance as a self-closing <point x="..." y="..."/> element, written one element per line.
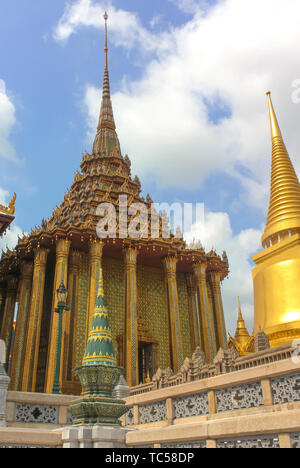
<point x="4" y="382"/>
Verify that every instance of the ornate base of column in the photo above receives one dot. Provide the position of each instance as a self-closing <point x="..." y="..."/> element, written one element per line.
<point x="98" y="405"/>
<point x="97" y="410"/>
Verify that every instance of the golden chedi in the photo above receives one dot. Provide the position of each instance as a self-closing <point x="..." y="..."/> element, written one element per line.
<point x="242" y="341"/>
<point x="277" y="274"/>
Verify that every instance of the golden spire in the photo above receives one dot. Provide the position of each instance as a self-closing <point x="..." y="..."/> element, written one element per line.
<point x="241" y="334"/>
<point x="284" y="208"/>
<point x="106" y="140"/>
<point x="242" y="341"/>
<point x="240" y="319"/>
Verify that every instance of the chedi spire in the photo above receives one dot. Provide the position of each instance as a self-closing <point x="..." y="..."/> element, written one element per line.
<point x="106" y="141"/>
<point x="99" y="348"/>
<point x="242" y="334"/>
<point x="284" y="209"/>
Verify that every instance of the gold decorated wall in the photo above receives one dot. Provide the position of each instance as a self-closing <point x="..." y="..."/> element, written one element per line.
<point x="168" y="314"/>
<point x="81" y="319"/>
<point x="152" y="306"/>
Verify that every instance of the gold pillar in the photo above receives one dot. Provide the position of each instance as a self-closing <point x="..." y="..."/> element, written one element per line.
<point x="193" y="312"/>
<point x="35" y="320"/>
<point x="174" y="317"/>
<point x="9" y="312"/>
<point x="131" y="326"/>
<point x="61" y="274"/>
<point x="19" y="349"/>
<point x="207" y="322"/>
<point x="69" y="319"/>
<point x="95" y="252"/>
<point x="215" y="281"/>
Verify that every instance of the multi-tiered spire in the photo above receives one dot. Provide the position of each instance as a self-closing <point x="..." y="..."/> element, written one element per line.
<point x="284" y="209"/>
<point x="99" y="348"/>
<point x="241" y="334"/>
<point x="242" y="341"/>
<point x="106" y="140"/>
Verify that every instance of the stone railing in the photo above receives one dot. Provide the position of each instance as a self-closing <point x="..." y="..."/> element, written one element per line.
<point x="38" y="410"/>
<point x="226" y="361"/>
<point x="29" y="438"/>
<point x="257" y="406"/>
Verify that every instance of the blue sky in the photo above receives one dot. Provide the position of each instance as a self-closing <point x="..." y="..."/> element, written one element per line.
<point x="188" y="79"/>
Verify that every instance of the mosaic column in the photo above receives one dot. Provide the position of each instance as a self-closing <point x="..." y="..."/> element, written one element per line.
<point x="177" y="357"/>
<point x="35" y="320"/>
<point x="9" y="312"/>
<point x="3" y="289"/>
<point x="205" y="311"/>
<point x="215" y="281"/>
<point x="95" y="252"/>
<point x="19" y="349"/>
<point x="131" y="330"/>
<point x="195" y="325"/>
<point x="61" y="274"/>
<point x="69" y="318"/>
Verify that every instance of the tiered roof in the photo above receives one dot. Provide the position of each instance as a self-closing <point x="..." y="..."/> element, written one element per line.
<point x="104" y="175"/>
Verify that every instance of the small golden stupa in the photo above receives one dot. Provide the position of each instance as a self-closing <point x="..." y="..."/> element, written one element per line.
<point x="242" y="341"/>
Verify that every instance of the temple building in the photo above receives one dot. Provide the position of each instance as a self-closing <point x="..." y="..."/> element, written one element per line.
<point x="164" y="299"/>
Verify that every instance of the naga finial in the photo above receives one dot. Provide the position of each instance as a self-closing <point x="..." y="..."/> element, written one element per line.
<point x="11" y="207"/>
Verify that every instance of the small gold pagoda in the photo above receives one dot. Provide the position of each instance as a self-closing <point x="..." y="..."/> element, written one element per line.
<point x="242" y="341"/>
<point x="277" y="274"/>
<point x="164" y="299"/>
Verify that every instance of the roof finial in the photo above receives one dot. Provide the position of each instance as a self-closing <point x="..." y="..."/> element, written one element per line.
<point x="240" y="319"/>
<point x="106" y="140"/>
<point x="275" y="130"/>
<point x="105" y="47"/>
<point x="241" y="330"/>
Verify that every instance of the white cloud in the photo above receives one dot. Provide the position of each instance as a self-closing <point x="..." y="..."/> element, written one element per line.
<point x="7" y="151"/>
<point x="229" y="57"/>
<point x="10" y="238"/>
<point x="7" y="122"/>
<point x="3" y="196"/>
<point x="190" y="6"/>
<point x="216" y="232"/>
<point x="155" y="20"/>
<point x="125" y="28"/>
